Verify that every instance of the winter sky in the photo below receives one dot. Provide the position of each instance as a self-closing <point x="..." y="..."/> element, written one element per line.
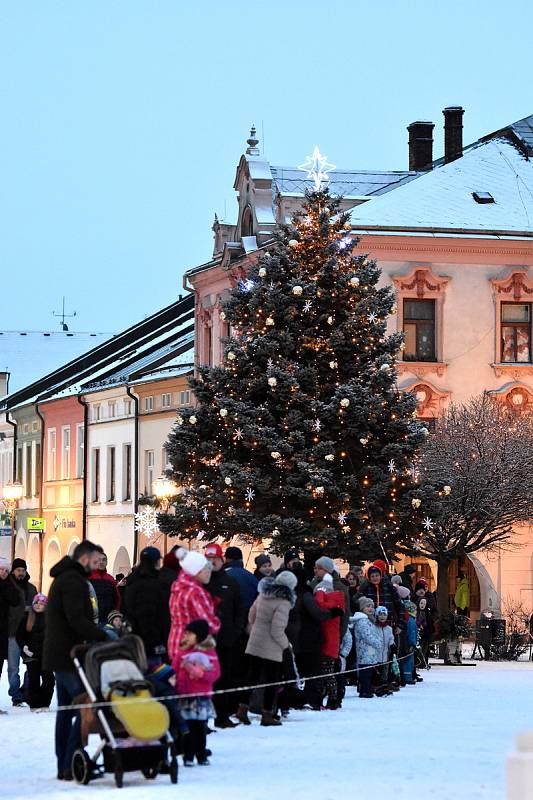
<point x="124" y="120"/>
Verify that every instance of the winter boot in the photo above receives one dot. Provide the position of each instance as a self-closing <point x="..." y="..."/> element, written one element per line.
<point x="269" y="720"/>
<point x="242" y="714"/>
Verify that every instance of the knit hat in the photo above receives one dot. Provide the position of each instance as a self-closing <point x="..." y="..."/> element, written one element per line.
<point x="170" y="561"/>
<point x="233" y="554"/>
<point x="382" y="610"/>
<point x="325" y="562"/>
<point x="113" y="615"/>
<point x="191" y="562"/>
<point x="5" y="563"/>
<point x="364" y="602"/>
<point x="410" y="569"/>
<point x="39" y="598"/>
<point x="286" y="578"/>
<point x="290" y="555"/>
<point x="396" y="580"/>
<point x="261" y="560"/>
<point x="200" y="628"/>
<point x="213" y="550"/>
<point x="421" y="585"/>
<point x="381" y="565"/>
<point x="403" y="592"/>
<point x="409" y="607"/>
<point x="18" y="563"/>
<point x="150" y="554"/>
<point x="326" y="584"/>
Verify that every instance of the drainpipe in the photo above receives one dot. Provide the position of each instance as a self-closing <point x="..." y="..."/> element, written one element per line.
<point x="85" y="451"/>
<point x="41" y="490"/>
<point x="13" y="520"/>
<point x="136" y="473"/>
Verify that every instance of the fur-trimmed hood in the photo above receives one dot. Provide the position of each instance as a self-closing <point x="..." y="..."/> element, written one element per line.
<point x="269" y="588"/>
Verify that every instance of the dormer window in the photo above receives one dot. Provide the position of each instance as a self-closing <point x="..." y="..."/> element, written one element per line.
<point x="483" y="197"/>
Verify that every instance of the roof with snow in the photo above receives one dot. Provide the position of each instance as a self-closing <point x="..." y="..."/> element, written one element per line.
<point x="488" y="191"/>
<point x="27" y="355"/>
<point x="348" y="183"/>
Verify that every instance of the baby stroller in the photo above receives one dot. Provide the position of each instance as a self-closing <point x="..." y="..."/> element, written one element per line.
<point x="134" y="728"/>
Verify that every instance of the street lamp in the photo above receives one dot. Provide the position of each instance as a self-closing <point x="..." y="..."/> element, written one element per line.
<point x="164" y="489"/>
<point x="11" y="496"/>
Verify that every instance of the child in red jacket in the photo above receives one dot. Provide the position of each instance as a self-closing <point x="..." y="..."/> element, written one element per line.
<point x="197" y="669"/>
<point x="331" y="636"/>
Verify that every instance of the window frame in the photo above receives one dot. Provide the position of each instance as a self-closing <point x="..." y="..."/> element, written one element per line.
<point x="515" y="326"/>
<point x="419" y="322"/>
<point x="65" y="452"/>
<point x="51" y="455"/>
<point x="95" y="475"/>
<point x="111" y="474"/>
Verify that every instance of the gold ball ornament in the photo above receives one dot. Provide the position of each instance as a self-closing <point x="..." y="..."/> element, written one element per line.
<point x="269" y="322"/>
<point x="416" y="502"/>
<point x="193" y="420"/>
<point x="272" y="382"/>
<point x="347" y="226"/>
<point x="297" y="290"/>
<point x="345" y="402"/>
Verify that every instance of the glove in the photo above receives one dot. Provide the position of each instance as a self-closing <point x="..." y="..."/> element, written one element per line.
<point x="336" y="612"/>
<point x="27" y="652"/>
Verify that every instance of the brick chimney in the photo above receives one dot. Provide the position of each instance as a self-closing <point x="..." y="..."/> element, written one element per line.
<point x="420" y="146"/>
<point x="453" y="133"/>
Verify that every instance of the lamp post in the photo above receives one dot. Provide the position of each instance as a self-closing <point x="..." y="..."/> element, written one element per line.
<point x="164" y="490"/>
<point x="11" y="496"/>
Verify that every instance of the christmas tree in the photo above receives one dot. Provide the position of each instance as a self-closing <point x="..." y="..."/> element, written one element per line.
<point x="300" y="438"/>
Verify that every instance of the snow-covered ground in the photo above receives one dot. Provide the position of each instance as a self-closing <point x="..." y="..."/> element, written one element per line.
<point x="446" y="736"/>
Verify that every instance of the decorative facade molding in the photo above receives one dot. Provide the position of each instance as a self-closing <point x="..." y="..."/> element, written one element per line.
<point x="517" y="286"/>
<point x="513" y="371"/>
<point x="421" y="368"/>
<point x="422" y="284"/>
<point x="430" y="400"/>
<point x="517" y="397"/>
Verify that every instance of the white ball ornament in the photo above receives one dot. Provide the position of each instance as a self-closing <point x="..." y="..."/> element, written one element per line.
<point x="345" y="402"/>
<point x="330" y="320"/>
<point x="297" y="290"/>
<point x="262" y="272"/>
<point x="385" y="368"/>
<point x="222" y="316"/>
<point x="193" y="420"/>
<point x="231" y="355"/>
<point x="269" y="321"/>
<point x="354" y="280"/>
<point x="363" y="441"/>
<point x="293" y="242"/>
<point x="416" y="502"/>
<point x="223" y="412"/>
<point x="275" y="455"/>
<point x="330" y="457"/>
<point x="333" y="364"/>
<point x="272" y="382"/>
<point x="179" y="420"/>
<point x="447" y="490"/>
<point x="228" y="481"/>
<point x="319" y="490"/>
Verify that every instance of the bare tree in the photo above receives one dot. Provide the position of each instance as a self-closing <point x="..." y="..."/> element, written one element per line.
<point x="475" y="475"/>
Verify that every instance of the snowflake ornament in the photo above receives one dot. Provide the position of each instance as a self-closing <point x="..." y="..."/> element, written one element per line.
<point x="342" y="517"/>
<point x="317" y="168"/>
<point x="392" y="466"/>
<point x="249" y="494"/>
<point x="205" y="514"/>
<point x="270" y="364"/>
<point x="307" y="306"/>
<point x="317" y="425"/>
<point x="372" y="317"/>
<point x="428" y="523"/>
<point x="146" y="522"/>
<point x="238" y="434"/>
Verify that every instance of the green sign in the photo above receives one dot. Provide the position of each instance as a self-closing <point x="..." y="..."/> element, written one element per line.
<point x="36" y="524"/>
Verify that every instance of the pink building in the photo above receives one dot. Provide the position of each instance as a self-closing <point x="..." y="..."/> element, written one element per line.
<point x="455" y="238"/>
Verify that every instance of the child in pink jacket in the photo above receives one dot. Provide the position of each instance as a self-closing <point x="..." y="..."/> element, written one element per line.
<point x="197" y="669"/>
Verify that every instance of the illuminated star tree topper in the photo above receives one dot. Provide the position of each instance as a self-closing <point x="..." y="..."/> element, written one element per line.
<point x="317" y="168"/>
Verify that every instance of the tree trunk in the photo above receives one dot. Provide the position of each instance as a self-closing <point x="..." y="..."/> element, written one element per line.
<point x="442" y="587"/>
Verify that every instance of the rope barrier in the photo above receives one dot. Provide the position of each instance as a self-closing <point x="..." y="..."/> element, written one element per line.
<point x="134" y="700"/>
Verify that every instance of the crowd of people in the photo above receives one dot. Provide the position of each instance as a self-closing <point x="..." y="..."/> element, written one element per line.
<point x="296" y="633"/>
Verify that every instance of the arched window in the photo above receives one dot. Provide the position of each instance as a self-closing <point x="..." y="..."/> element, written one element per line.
<point x="247" y="223"/>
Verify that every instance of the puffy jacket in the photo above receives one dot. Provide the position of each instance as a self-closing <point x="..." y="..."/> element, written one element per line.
<point x="69" y="615"/>
<point x="107" y="595"/>
<point x="367" y="640"/>
<point x="34" y="639"/>
<point x="247" y="582"/>
<point x="146" y="607"/>
<point x="189" y="600"/>
<point x="26" y="593"/>
<point x="268" y="617"/>
<point x="311" y="618"/>
<point x="228" y="606"/>
<point x="331" y="628"/>
<point x="387" y="640"/>
<point x="384" y="594"/>
<point x="197" y="668"/>
<point x="462" y="594"/>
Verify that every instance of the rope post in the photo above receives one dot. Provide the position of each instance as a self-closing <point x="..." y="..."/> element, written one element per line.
<point x="520" y="768"/>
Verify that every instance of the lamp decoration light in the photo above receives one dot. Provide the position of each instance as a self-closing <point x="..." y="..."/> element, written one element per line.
<point x="317" y="168"/>
<point x="164" y="487"/>
<point x="12" y="493"/>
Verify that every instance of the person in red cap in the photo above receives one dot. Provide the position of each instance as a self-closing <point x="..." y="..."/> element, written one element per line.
<point x="381" y="565"/>
<point x="230" y="610"/>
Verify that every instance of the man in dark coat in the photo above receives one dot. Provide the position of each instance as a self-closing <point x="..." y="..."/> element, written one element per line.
<point x="379" y="588"/>
<point x="229" y="608"/>
<point x="69" y="621"/>
<point x="9" y="598"/>
<point x="408" y="577"/>
<point x="234" y="566"/>
<point x="105" y="587"/>
<point x="146" y="603"/>
<point x="26" y="592"/>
